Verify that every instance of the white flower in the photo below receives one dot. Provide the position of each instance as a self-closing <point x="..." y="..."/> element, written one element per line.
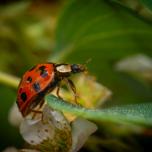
<point x="53" y="132"/>
<point x="14" y="116"/>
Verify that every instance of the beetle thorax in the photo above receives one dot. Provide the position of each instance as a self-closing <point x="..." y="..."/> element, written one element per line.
<point x="64" y="68"/>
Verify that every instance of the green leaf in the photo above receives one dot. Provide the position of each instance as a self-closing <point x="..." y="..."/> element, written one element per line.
<point x="147" y="3"/>
<point x="137" y="113"/>
<point x="106" y="32"/>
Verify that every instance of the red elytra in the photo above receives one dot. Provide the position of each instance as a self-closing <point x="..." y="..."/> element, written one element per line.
<point x="42" y="79"/>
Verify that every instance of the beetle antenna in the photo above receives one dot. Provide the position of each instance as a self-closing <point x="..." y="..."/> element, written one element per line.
<point x="85" y="64"/>
<point x="87" y="61"/>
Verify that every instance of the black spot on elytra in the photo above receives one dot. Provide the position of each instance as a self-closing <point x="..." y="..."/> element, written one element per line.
<point x="42" y="68"/>
<point x="36" y="87"/>
<point x="43" y="72"/>
<point x="29" y="79"/>
<point x="23" y="96"/>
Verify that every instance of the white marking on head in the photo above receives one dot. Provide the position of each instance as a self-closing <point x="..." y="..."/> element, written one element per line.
<point x="63" y="68"/>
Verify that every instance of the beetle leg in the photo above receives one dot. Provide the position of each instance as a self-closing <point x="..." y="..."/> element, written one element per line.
<point x="38" y="111"/>
<point x="40" y="106"/>
<point x="73" y="88"/>
<point x="58" y="90"/>
<point x="41" y="103"/>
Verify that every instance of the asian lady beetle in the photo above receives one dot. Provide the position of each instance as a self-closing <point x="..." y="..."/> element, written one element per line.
<point x="42" y="79"/>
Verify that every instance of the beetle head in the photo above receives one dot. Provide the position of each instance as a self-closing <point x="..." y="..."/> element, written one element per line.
<point x="77" y="68"/>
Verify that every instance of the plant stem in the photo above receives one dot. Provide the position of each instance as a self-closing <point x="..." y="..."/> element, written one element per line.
<point x="9" y="80"/>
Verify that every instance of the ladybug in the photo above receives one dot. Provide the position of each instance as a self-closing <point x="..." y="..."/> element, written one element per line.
<point x="41" y="80"/>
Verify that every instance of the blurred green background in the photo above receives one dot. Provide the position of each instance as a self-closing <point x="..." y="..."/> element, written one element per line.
<point x="73" y="31"/>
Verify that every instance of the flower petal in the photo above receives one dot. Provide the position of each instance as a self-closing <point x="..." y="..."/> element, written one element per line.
<point x="14" y="117"/>
<point x="81" y="130"/>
